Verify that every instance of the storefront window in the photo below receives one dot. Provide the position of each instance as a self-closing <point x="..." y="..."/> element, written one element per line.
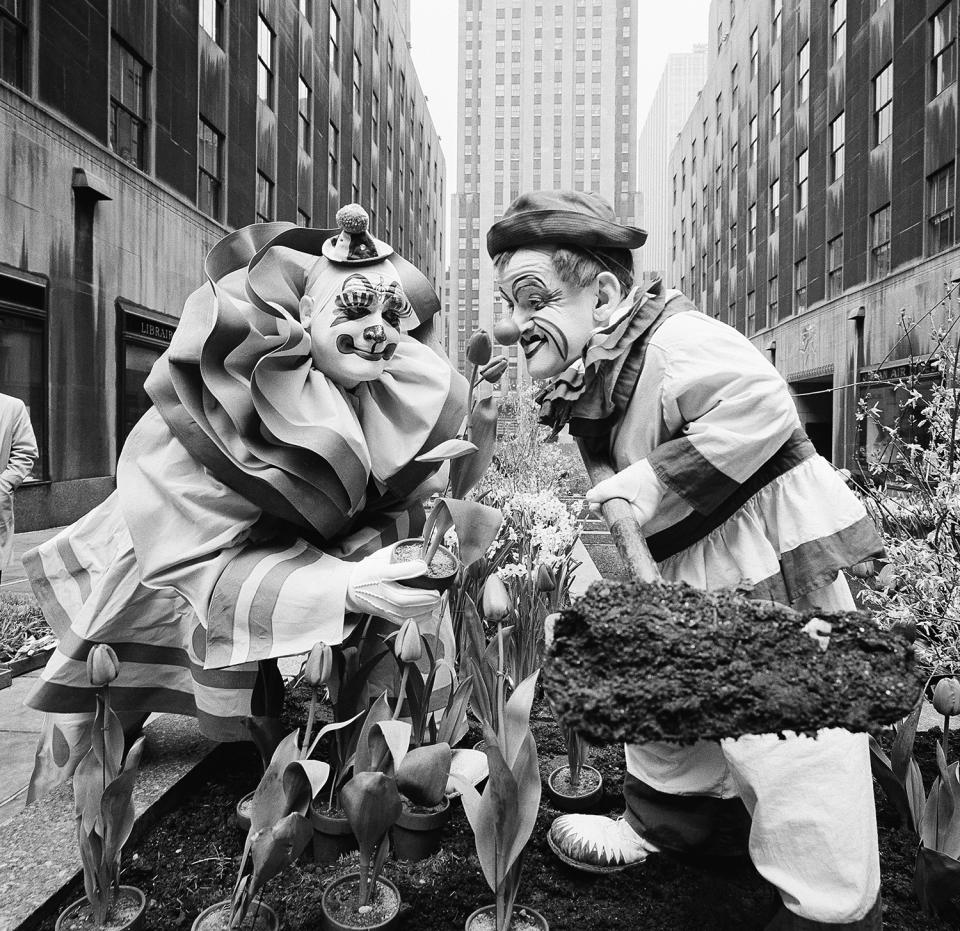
<point x="142" y="341"/>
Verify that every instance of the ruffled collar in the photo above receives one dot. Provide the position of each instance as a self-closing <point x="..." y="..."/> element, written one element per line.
<point x="587" y="389"/>
<point x="238" y="388"/>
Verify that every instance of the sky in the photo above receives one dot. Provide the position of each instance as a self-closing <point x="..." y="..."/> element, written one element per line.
<point x="665" y="27"/>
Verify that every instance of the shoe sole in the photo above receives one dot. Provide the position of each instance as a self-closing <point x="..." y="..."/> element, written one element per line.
<point x="588" y="867"/>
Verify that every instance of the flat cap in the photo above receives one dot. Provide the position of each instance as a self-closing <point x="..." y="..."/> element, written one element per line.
<point x="573" y="218"/>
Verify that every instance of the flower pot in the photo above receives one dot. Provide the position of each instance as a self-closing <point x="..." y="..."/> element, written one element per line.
<point x="243" y="812"/>
<point x="524" y="919"/>
<point x="417" y="833"/>
<point x="260" y="917"/>
<point x="332" y="835"/>
<point x="125" y="914"/>
<point x="585" y="797"/>
<point x="339" y="906"/>
<point x="440" y="573"/>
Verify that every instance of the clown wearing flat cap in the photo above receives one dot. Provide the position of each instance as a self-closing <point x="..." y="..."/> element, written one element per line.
<point x="257" y="498"/>
<point x="729" y="492"/>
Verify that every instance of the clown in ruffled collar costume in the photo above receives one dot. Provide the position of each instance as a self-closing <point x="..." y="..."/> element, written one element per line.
<point x="729" y="492"/>
<point x="256" y="499"/>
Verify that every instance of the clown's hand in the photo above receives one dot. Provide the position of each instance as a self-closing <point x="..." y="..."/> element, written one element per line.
<point x="819" y="630"/>
<point x="374" y="588"/>
<point x="638" y="484"/>
<point x="549" y="626"/>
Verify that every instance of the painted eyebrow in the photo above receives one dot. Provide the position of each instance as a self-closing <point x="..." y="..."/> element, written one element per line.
<point x="525" y="281"/>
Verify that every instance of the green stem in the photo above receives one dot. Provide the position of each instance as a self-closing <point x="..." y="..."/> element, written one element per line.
<point x="311" y="714"/>
<point x="105" y="694"/>
<point x="403" y="686"/>
<point x="945" y="740"/>
<point x="501" y="707"/>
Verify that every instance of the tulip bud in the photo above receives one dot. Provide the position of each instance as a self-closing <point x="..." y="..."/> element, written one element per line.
<point x="495" y="603"/>
<point x="319" y="665"/>
<point x="546" y="580"/>
<point x="493" y="370"/>
<point x="946" y="696"/>
<point x="479" y="348"/>
<point x="408" y="647"/>
<point x="506" y="332"/>
<point x="102" y="665"/>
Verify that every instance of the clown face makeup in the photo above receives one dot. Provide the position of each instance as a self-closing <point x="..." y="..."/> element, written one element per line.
<point x="555" y="319"/>
<point x="354" y="318"/>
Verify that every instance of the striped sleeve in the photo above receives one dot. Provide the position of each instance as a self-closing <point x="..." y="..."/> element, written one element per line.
<point x="726" y="409"/>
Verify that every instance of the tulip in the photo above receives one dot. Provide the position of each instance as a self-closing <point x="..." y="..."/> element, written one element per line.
<point x="496" y="604"/>
<point x="946" y="696"/>
<point x="506" y="332"/>
<point x="319" y="665"/>
<point x="479" y="348"/>
<point x="546" y="580"/>
<point x="102" y="665"/>
<point x="408" y="646"/>
<point x="493" y="370"/>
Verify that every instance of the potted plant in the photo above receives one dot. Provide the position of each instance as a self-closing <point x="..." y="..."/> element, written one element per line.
<point x="503" y="817"/>
<point x="103" y="796"/>
<point x="266" y="734"/>
<point x="279" y="833"/>
<point x="575" y="786"/>
<point x="422" y="780"/>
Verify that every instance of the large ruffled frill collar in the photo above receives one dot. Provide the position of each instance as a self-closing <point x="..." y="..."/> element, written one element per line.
<point x="238" y="388"/>
<point x="586" y="394"/>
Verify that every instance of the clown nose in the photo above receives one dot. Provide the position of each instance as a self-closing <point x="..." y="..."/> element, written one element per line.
<point x="506" y="332"/>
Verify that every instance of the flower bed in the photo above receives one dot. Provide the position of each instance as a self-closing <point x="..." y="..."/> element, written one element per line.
<point x="21" y="621"/>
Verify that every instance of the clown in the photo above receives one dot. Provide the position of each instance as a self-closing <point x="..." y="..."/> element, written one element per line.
<point x="256" y="500"/>
<point x="710" y="452"/>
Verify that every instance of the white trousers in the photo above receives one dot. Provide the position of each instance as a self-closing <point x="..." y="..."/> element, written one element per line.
<point x="814" y="831"/>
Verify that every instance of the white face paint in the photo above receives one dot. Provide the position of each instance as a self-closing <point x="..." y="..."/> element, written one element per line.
<point x="555" y="319"/>
<point x="354" y="328"/>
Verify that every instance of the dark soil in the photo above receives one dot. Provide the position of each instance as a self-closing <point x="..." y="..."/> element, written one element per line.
<point x="189" y="860"/>
<point x="441" y="566"/>
<point x="258" y="919"/>
<point x="561" y="783"/>
<point x="121" y="913"/>
<point x="344" y="899"/>
<point x="719" y="665"/>
<point x="521" y="920"/>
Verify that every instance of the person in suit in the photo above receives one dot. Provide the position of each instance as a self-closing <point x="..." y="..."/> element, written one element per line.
<point x="18" y="453"/>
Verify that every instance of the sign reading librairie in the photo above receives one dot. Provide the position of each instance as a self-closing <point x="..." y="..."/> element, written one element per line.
<point x="144" y="328"/>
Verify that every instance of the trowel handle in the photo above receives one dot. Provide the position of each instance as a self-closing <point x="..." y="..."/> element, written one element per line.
<point x="618" y="513"/>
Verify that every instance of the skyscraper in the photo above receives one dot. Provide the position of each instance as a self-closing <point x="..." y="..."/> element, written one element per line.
<point x="547" y="100"/>
<point x="680" y="84"/>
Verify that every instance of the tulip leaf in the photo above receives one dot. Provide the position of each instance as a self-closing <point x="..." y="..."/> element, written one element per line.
<point x="266" y="733"/>
<point x="422" y="775"/>
<point x="469" y="765"/>
<point x="302" y="782"/>
<point x="448" y="449"/>
<point x="516" y="723"/>
<point x="902" y="751"/>
<point x="379" y="711"/>
<point x="270" y="800"/>
<point x="329" y="729"/>
<point x="274" y="848"/>
<point x="107" y="742"/>
<point x="371" y="802"/>
<point x="88" y="790"/>
<point x="935" y="883"/>
<point x="396" y="737"/>
<point x="453" y="724"/>
<point x="476" y="526"/>
<point x="482" y="432"/>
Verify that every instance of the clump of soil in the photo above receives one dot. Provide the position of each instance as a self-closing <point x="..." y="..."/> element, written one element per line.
<point x="343" y="898"/>
<point x="125" y="907"/>
<point x="641" y="662"/>
<point x="560" y="781"/>
<point x="258" y="918"/>
<point x="442" y="566"/>
<point x="521" y="920"/>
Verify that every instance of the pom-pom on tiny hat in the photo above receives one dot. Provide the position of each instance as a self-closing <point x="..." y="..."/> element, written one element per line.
<point x="572" y="218"/>
<point x="354" y="245"/>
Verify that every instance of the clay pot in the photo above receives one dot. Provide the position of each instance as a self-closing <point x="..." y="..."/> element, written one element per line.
<point x="534" y="920"/>
<point x="442" y="571"/>
<point x="217" y="918"/>
<point x="563" y="796"/>
<point x="73" y="911"/>
<point x="332" y="835"/>
<point x="417" y="834"/>
<point x="243" y="812"/>
<point x="332" y="920"/>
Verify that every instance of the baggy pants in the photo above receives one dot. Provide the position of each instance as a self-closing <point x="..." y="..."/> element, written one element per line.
<point x="804" y="806"/>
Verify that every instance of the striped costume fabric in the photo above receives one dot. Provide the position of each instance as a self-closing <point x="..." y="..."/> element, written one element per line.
<point x="243" y="497"/>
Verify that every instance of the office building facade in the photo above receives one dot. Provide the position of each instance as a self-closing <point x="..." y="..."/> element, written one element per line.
<point x="677" y="92"/>
<point x="548" y="100"/>
<point x="134" y="136"/>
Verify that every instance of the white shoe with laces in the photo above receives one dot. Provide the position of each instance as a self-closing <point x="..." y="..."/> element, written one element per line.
<point x="597" y="844"/>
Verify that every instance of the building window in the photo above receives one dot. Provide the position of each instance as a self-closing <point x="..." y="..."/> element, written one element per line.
<point x="734" y="88"/>
<point x="13" y="42"/>
<point x="774" y="204"/>
<point x="303" y="219"/>
<point x="333" y="155"/>
<point x="754" y="140"/>
<point x="940" y="198"/>
<point x="838" y="29"/>
<point x="880" y="243"/>
<point x="305" y="118"/>
<point x="776" y="12"/>
<point x="754" y="52"/>
<point x="775" y="110"/>
<point x="837" y="134"/>
<point x="835" y="266"/>
<point x="883" y="104"/>
<point x="264" y="62"/>
<point x="264" y="198"/>
<point x="128" y="105"/>
<point x="733" y="247"/>
<point x="803" y="72"/>
<point x="211" y="19"/>
<point x="752" y="227"/>
<point x="357" y="84"/>
<point x="304" y="6"/>
<point x="800" y="286"/>
<point x="751" y="312"/>
<point x="773" y="300"/>
<point x="335" y="40"/>
<point x="802" y="178"/>
<point x="944" y="65"/>
<point x="209" y="169"/>
<point x="355" y="180"/>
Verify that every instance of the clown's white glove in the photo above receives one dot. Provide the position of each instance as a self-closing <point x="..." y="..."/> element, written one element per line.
<point x="638" y="484"/>
<point x="819" y="630"/>
<point x="374" y="588"/>
<point x="549" y="626"/>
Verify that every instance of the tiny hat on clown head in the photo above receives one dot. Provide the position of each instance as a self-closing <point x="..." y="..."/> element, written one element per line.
<point x="572" y="218"/>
